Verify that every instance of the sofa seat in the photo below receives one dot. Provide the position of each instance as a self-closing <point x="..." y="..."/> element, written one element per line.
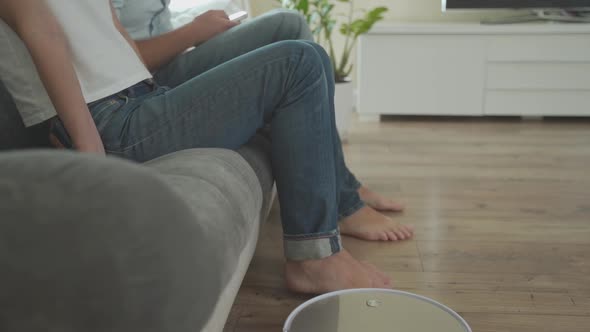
<point x="101" y="244"/>
<point x="231" y="202"/>
<point x="94" y="244"/>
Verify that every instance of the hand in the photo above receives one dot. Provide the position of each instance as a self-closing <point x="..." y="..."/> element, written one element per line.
<point x="91" y="145"/>
<point x="210" y="24"/>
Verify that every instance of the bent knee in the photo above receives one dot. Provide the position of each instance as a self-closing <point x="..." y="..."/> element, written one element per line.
<point x="289" y="24"/>
<point x="306" y="49"/>
<point x="319" y="48"/>
<point x="289" y="16"/>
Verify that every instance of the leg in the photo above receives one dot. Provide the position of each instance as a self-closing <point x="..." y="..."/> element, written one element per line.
<point x="225" y="106"/>
<point x="349" y="186"/>
<point x="283" y="85"/>
<point x="357" y="219"/>
<point x="275" y="26"/>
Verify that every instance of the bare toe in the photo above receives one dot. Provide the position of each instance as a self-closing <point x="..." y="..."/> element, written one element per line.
<point x="383" y="236"/>
<point x="391" y="235"/>
<point x="382" y="280"/>
<point x="409" y="231"/>
<point x="400" y="234"/>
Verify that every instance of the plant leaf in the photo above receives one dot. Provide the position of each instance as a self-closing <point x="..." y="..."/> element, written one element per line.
<point x="322" y="21"/>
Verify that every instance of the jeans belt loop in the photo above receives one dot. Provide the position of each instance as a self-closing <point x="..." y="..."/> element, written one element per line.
<point x="151" y="82"/>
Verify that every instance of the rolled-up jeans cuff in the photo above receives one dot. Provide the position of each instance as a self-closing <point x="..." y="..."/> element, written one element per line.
<point x="351" y="210"/>
<point x="312" y="246"/>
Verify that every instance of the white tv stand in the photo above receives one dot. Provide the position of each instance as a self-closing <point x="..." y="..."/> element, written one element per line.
<point x="474" y="69"/>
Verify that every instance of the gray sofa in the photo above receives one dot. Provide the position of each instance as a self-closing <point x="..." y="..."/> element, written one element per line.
<point x="101" y="244"/>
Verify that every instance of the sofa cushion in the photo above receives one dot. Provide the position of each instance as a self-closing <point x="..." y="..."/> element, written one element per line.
<point x="223" y="192"/>
<point x="257" y="153"/>
<point x="235" y="222"/>
<point x="99" y="244"/>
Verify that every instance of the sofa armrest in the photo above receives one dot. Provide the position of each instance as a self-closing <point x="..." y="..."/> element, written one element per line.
<point x="97" y="244"/>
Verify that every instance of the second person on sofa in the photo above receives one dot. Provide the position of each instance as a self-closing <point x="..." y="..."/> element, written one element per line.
<point x="215" y="42"/>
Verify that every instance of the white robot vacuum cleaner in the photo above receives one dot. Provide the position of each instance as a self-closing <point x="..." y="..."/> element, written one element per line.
<point x="374" y="310"/>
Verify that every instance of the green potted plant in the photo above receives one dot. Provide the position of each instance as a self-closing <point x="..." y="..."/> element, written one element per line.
<point x="323" y="22"/>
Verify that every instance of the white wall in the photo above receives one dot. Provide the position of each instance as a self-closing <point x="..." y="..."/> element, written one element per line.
<point x="401" y="10"/>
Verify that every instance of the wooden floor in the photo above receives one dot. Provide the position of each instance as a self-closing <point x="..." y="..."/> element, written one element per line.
<point x="502" y="212"/>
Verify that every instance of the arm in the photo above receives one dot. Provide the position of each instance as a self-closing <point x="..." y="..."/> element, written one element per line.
<point x="125" y="34"/>
<point x="162" y="49"/>
<point x="33" y="21"/>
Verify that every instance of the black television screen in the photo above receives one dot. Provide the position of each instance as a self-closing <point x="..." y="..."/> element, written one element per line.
<point x="465" y="4"/>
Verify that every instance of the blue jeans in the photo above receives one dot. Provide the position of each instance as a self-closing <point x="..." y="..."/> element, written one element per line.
<point x="288" y="85"/>
<point x="274" y="26"/>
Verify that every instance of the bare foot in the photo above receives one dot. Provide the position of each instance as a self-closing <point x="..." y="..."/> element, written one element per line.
<point x="379" y="202"/>
<point x="339" y="271"/>
<point x="382" y="276"/>
<point x="368" y="224"/>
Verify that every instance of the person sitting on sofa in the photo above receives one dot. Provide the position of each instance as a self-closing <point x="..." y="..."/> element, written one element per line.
<point x="106" y="101"/>
<point x="215" y="42"/>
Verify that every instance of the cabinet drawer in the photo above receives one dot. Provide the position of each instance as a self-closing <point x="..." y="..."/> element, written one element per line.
<point x="421" y="75"/>
<point x="538" y="103"/>
<point x="572" y="76"/>
<point x="560" y="48"/>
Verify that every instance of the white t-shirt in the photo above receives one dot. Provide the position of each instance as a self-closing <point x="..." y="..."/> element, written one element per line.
<point x="104" y="62"/>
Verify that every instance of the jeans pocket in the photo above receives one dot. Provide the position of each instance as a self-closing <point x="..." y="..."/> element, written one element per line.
<point x="103" y="112"/>
<point x="105" y="116"/>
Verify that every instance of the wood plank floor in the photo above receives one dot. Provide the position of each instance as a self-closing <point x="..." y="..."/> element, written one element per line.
<point x="502" y="212"/>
